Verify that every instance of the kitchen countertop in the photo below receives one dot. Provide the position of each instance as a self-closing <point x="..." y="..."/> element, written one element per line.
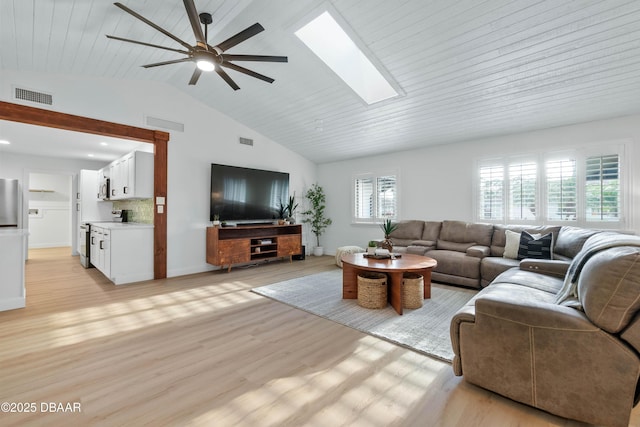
<point x="121" y="225"/>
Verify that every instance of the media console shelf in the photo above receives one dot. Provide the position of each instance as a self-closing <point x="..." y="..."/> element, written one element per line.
<point x="245" y="244"/>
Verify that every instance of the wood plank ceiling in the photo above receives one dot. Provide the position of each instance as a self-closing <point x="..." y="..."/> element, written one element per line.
<point x="468" y="69"/>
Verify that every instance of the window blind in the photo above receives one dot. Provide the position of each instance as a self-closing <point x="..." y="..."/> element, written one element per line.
<point x="561" y="190"/>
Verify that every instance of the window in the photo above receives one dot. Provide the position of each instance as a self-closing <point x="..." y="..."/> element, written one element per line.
<point x="522" y="191"/>
<point x="491" y="192"/>
<point x="561" y="190"/>
<point x="583" y="187"/>
<point x="331" y="43"/>
<point x="375" y="197"/>
<point x="602" y="188"/>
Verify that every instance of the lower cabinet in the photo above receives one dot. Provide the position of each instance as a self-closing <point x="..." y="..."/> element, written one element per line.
<point x="243" y="244"/>
<point x="122" y="252"/>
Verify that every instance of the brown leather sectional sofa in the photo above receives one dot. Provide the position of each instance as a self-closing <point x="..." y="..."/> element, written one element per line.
<point x="561" y="335"/>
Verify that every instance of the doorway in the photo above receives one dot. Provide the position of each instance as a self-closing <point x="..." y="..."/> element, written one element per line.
<point x="159" y="139"/>
<point x="50" y="208"/>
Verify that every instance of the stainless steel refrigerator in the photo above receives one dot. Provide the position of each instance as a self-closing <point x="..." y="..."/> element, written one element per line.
<point x="9" y="207"/>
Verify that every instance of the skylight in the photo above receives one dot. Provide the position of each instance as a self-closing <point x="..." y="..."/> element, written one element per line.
<point x="330" y="42"/>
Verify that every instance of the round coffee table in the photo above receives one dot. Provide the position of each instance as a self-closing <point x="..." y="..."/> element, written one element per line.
<point x="352" y="264"/>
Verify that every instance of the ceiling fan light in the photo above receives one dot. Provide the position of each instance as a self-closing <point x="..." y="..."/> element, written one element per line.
<point x="205" y="65"/>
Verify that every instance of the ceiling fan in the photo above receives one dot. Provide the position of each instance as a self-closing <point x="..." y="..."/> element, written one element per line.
<point x="206" y="57"/>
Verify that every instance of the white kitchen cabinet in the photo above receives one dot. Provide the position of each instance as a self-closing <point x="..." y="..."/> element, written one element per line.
<point x="132" y="176"/>
<point x="88" y="206"/>
<point x="123" y="251"/>
<point x="94" y="242"/>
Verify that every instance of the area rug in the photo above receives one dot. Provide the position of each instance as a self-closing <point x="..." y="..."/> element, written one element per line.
<point x="425" y="330"/>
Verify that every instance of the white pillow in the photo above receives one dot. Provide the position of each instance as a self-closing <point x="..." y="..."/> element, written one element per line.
<point x="512" y="244"/>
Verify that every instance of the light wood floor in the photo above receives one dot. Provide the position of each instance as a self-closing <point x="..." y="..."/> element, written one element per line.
<point x="203" y="350"/>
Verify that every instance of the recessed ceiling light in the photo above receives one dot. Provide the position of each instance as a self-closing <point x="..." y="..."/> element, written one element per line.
<point x="104" y="143"/>
<point x="331" y="43"/>
<point x="90" y="155"/>
<point x="4" y="142"/>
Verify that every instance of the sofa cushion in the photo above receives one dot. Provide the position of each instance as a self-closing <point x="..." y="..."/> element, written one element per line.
<point x="571" y="239"/>
<point x="492" y="266"/>
<point x="454" y="246"/>
<point x="535" y="246"/>
<point x="408" y="230"/>
<point x="431" y="230"/>
<point x="530" y="279"/>
<point x="431" y="244"/>
<point x="456" y="263"/>
<point x="498" y="239"/>
<point x="512" y="244"/>
<point x="609" y="287"/>
<point x="462" y="232"/>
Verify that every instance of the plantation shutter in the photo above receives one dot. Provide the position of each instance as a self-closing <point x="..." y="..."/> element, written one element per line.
<point x="364" y="198"/>
<point x="522" y="191"/>
<point x="561" y="190"/>
<point x="386" y="203"/>
<point x="602" y="188"/>
<point x="491" y="203"/>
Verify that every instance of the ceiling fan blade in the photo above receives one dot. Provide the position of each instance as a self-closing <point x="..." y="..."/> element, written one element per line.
<point x="240" y="37"/>
<point x="192" y="13"/>
<point x="195" y="76"/>
<point x="227" y="79"/>
<point x="147" y="44"/>
<point x="151" y="24"/>
<point x="247" y="72"/>
<point x="259" y="58"/>
<point x="175" y="61"/>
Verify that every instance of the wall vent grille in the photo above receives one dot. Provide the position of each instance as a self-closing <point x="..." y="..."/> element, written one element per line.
<point x="33" y="96"/>
<point x="165" y="124"/>
<point x="246" y="141"/>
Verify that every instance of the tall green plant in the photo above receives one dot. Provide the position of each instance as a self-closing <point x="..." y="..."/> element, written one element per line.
<point x="315" y="214"/>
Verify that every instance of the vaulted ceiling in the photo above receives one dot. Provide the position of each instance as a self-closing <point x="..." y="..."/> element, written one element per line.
<point x="467" y="69"/>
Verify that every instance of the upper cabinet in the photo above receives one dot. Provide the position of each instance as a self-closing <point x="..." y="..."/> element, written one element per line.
<point x="131" y="176"/>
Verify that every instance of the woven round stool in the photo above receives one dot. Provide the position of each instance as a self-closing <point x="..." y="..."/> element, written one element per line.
<point x="412" y="290"/>
<point x="372" y="290"/>
<point x="346" y="250"/>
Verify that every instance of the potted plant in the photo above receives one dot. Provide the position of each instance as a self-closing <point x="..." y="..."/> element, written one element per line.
<point x="291" y="208"/>
<point x="216" y="220"/>
<point x="387" y="227"/>
<point x="282" y="213"/>
<point x="315" y="215"/>
<point x="371" y="249"/>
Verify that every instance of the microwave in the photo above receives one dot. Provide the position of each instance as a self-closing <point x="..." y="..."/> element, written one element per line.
<point x="105" y="189"/>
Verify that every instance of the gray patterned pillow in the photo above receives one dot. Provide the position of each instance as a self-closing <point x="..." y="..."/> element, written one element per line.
<point x="535" y="246"/>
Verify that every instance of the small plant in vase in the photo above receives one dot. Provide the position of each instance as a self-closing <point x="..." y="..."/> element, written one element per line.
<point x="282" y="213"/>
<point x="216" y="220"/>
<point x="291" y="209"/>
<point x="388" y="227"/>
<point x="371" y="249"/>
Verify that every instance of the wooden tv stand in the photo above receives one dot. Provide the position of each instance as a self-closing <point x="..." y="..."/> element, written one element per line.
<point x="245" y="244"/>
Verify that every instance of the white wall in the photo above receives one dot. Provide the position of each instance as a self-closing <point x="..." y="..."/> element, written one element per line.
<point x="209" y="137"/>
<point x="436" y="182"/>
<point x="50" y="202"/>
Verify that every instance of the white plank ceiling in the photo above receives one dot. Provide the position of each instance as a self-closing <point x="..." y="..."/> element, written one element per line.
<point x="468" y="69"/>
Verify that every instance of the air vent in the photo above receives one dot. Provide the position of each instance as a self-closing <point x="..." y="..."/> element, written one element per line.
<point x="246" y="141"/>
<point x="165" y="124"/>
<point x="32" y="96"/>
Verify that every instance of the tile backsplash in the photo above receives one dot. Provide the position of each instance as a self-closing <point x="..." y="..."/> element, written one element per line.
<point x="141" y="210"/>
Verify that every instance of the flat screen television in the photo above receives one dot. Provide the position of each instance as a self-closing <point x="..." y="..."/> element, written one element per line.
<point x="244" y="195"/>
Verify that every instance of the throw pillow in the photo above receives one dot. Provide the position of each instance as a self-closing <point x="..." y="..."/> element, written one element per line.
<point x="535" y="246"/>
<point x="512" y="244"/>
